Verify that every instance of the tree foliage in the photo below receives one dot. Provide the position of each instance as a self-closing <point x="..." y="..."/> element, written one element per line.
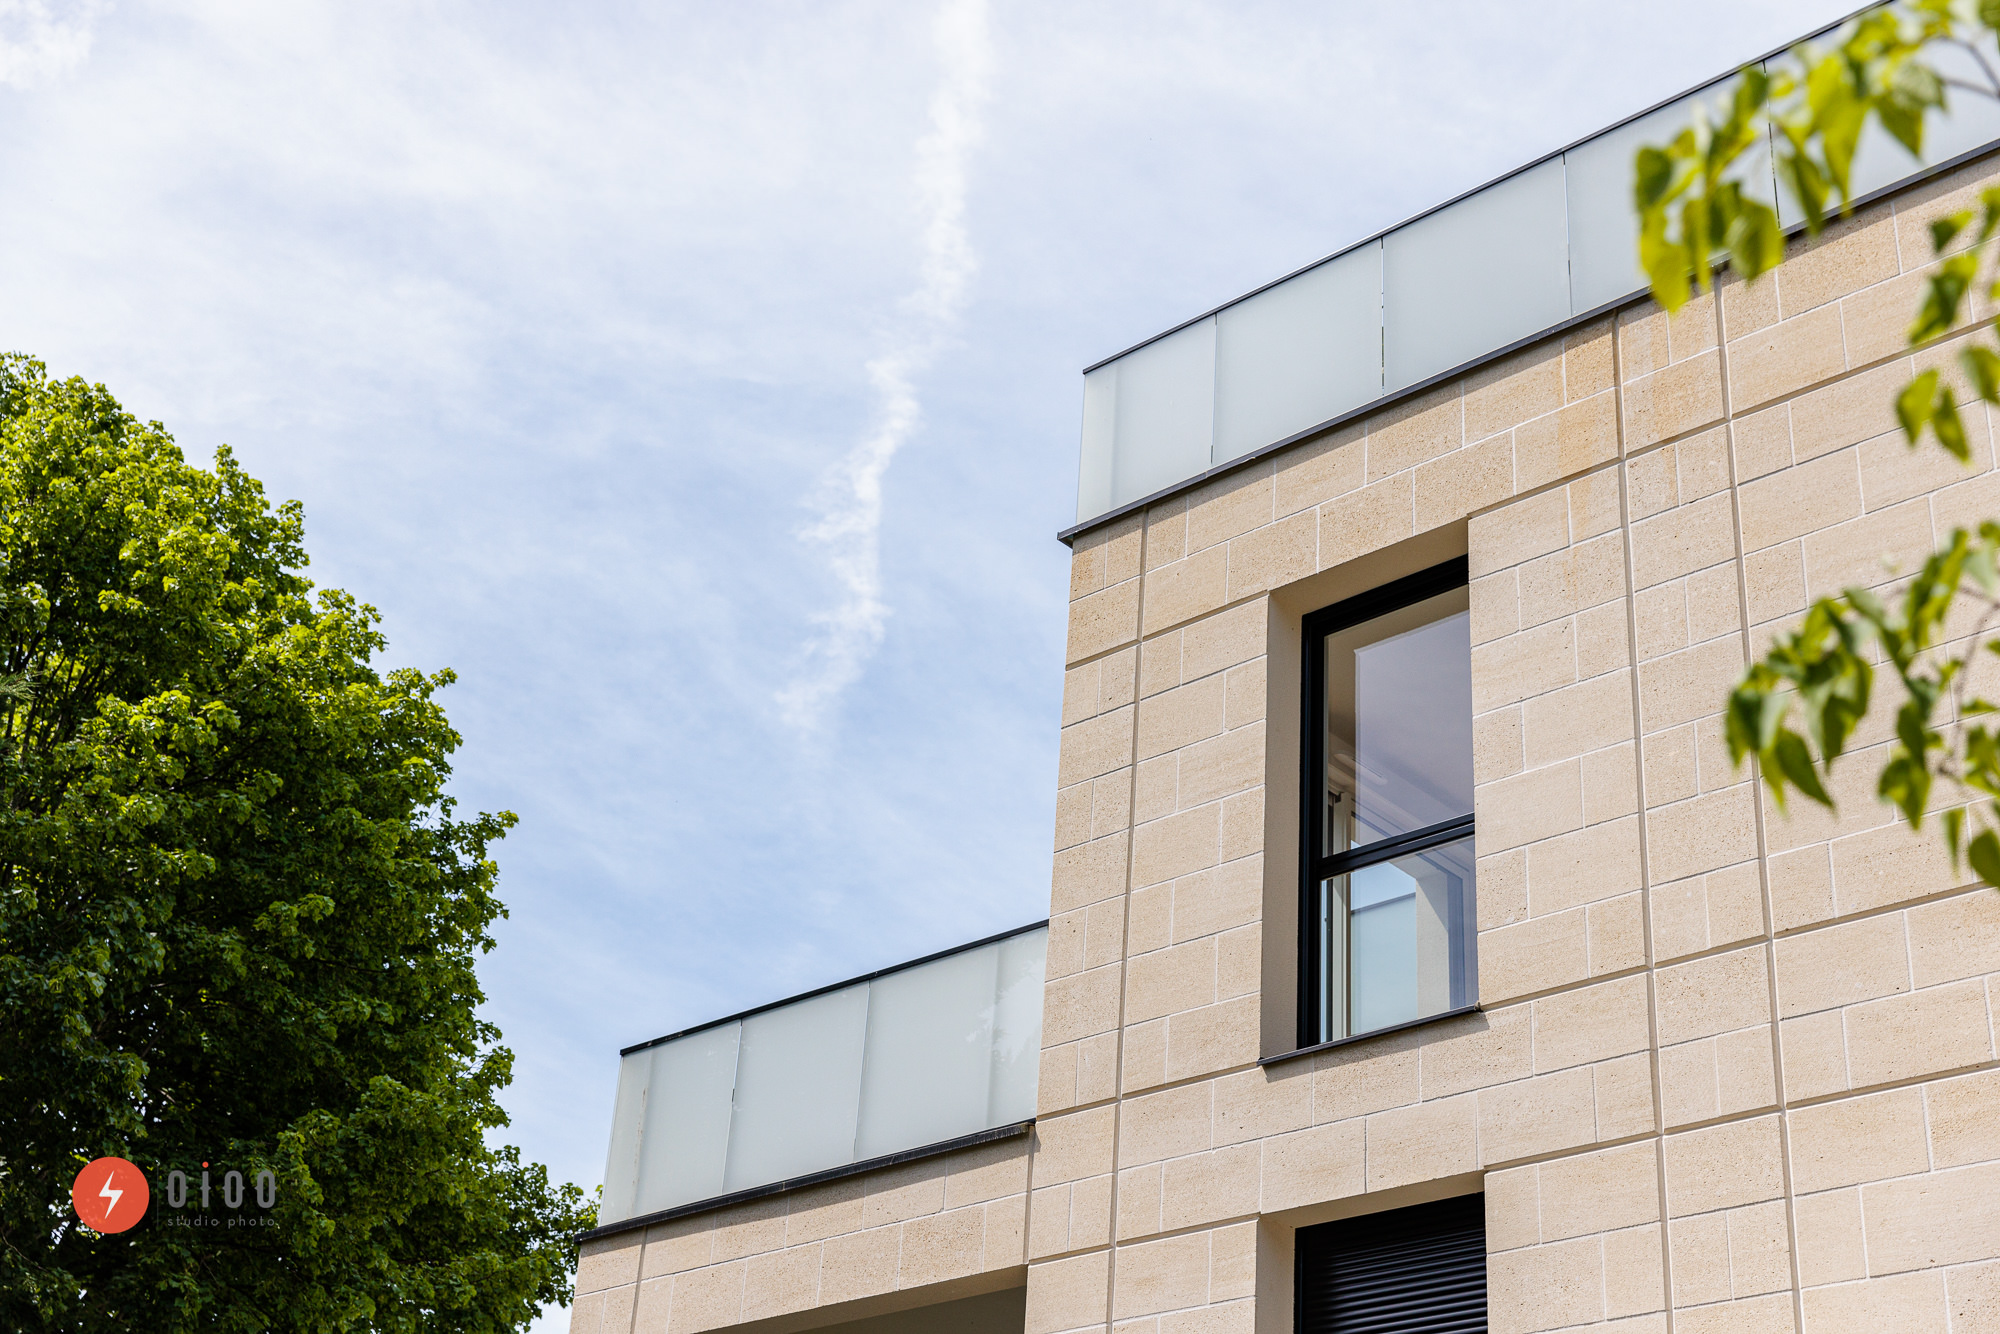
<point x="1797" y="708"/>
<point x="238" y="916"/>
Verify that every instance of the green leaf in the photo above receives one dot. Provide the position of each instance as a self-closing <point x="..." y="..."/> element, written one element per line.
<point x="1989" y="201"/>
<point x="1698" y="238"/>
<point x="1665" y="264"/>
<point x="1753" y="85"/>
<point x="1905" y="123"/>
<point x="1906" y="784"/>
<point x="1741" y="722"/>
<point x="1950" y="430"/>
<point x="1756" y="241"/>
<point x="1653" y="176"/>
<point x="1945" y="228"/>
<point x="1954" y="833"/>
<point x="1913" y="405"/>
<point x="1944" y="294"/>
<point x="1984" y="854"/>
<point x="1982" y="367"/>
<point x="1796" y="763"/>
<point x="1808" y="185"/>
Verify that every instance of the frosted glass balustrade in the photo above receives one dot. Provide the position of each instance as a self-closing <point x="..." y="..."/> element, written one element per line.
<point x="628" y="1116"/>
<point x="1970" y="122"/>
<point x="1490" y="270"/>
<point x="1603" y="229"/>
<point x="1165" y="410"/>
<point x="1299" y="354"/>
<point x="930" y="1054"/>
<point x="909" y="1058"/>
<point x="798" y="1084"/>
<point x="1507" y="263"/>
<point x="1017" y="1028"/>
<point x="686" y="1136"/>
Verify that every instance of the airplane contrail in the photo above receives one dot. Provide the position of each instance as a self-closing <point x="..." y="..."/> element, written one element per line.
<point x="850" y="523"/>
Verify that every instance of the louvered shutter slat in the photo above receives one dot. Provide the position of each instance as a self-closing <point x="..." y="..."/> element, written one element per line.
<point x="1420" y="1270"/>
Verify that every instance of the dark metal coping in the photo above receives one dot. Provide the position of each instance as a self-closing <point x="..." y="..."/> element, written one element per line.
<point x="1440" y="1016"/>
<point x="973" y="1140"/>
<point x="837" y="986"/>
<point x="1068" y="535"/>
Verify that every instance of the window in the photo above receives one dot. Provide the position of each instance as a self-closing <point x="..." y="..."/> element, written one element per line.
<point x="1420" y="1268"/>
<point x="1386" y="910"/>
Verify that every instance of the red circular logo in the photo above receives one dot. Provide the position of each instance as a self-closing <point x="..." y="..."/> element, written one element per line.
<point x="110" y="1195"/>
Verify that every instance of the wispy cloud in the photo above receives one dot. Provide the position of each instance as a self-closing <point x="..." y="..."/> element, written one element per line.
<point x="850" y="501"/>
<point x="40" y="41"/>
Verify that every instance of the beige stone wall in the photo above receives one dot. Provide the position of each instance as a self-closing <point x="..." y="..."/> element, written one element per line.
<point x="930" y="1231"/>
<point x="1734" y="1071"/>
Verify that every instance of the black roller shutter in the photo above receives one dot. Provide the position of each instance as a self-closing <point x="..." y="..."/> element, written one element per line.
<point x="1420" y="1270"/>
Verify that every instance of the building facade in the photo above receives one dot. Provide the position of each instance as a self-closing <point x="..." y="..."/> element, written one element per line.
<point x="1402" y="875"/>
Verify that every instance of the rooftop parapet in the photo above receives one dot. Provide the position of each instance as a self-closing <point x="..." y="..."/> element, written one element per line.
<point x="1549" y="245"/>
<point x="916" y="1059"/>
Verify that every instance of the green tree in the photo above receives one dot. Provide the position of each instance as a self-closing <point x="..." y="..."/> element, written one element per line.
<point x="238" y="916"/>
<point x="1797" y="708"/>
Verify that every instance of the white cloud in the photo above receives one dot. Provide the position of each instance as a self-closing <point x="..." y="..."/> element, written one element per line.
<point x="849" y="528"/>
<point x="40" y="41"/>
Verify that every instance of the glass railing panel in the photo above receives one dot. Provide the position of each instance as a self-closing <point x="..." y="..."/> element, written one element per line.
<point x="1972" y="121"/>
<point x="1487" y="271"/>
<point x="1165" y="412"/>
<point x="686" y="1139"/>
<point x="628" y="1115"/>
<point x="1017" y="1028"/>
<point x="912" y="1057"/>
<point x="1603" y="227"/>
<point x="930" y="1053"/>
<point x="798" y="1089"/>
<point x="1094" y="494"/>
<point x="1879" y="161"/>
<point x="1299" y="354"/>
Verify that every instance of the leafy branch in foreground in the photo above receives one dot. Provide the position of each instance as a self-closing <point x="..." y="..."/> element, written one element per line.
<point x="1698" y="206"/>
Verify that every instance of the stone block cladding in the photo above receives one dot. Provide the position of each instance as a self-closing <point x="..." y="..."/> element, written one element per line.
<point x="941" y="1228"/>
<point x="1734" y="1068"/>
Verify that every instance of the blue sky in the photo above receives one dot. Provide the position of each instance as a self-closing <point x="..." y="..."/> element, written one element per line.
<point x="701" y="383"/>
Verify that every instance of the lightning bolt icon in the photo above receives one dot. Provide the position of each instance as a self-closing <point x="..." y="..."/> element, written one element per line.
<point x="108" y="1193"/>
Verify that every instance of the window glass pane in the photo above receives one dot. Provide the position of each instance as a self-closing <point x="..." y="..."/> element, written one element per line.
<point x="1398" y="713"/>
<point x="1972" y="122"/>
<point x="1398" y="940"/>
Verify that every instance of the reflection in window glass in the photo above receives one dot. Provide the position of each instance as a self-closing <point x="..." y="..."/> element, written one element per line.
<point x="1398" y="708"/>
<point x="1398" y="937"/>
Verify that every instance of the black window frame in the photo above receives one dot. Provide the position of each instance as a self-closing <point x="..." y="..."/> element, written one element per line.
<point x="1314" y="867"/>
